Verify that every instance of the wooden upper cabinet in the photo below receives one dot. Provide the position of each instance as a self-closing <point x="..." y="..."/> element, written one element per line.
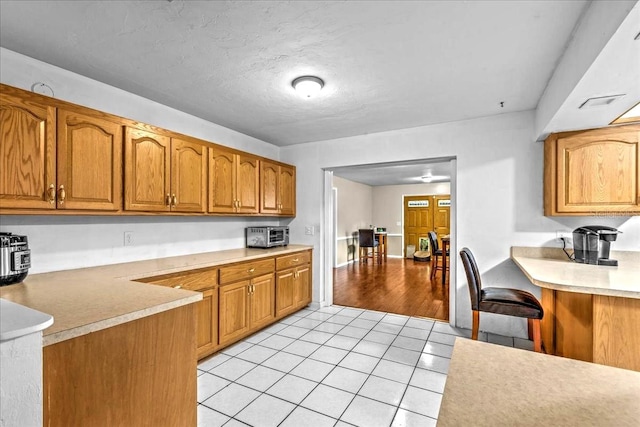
<point x="89" y="162"/>
<point x="233" y="182"/>
<point x="27" y="154"/>
<point x="248" y="182"/>
<point x="277" y="189"/>
<point x="188" y="176"/>
<point x="147" y="171"/>
<point x="269" y="173"/>
<point x="287" y="190"/>
<point x="593" y="172"/>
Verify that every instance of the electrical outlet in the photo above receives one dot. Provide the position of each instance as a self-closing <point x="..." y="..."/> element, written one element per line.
<point x="128" y="238"/>
<point x="308" y="230"/>
<point x="566" y="235"/>
<point x="398" y="223"/>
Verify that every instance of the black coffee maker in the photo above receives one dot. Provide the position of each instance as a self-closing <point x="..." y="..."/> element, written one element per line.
<point x="591" y="244"/>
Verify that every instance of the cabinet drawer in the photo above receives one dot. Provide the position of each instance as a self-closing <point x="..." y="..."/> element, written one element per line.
<point x="246" y="270"/>
<point x="192" y="280"/>
<point x="288" y="261"/>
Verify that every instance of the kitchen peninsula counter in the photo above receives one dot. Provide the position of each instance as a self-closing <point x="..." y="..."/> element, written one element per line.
<point x="591" y="312"/>
<point x="87" y="300"/>
<point x="534" y="389"/>
<point x="121" y="350"/>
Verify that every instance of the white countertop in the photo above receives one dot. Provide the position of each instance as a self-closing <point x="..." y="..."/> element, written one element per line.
<point x="492" y="385"/>
<point x="546" y="268"/>
<point x="17" y="320"/>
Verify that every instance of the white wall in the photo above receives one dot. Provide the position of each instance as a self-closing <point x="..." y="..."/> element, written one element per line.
<point x="59" y="243"/>
<point x="498" y="194"/>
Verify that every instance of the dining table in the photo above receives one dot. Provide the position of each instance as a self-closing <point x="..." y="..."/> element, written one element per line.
<point x="446" y="241"/>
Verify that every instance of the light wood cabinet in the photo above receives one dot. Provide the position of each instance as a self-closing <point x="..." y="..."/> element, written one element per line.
<point x="277" y="189"/>
<point x="233" y="182"/>
<point x="89" y="162"/>
<point x="164" y="174"/>
<point x="72" y="163"/>
<point x="593" y="172"/>
<point x="245" y="306"/>
<point x="293" y="282"/>
<point x="27" y="153"/>
<point x="205" y="281"/>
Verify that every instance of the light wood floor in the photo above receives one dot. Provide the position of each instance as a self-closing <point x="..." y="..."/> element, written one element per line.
<point x="399" y="286"/>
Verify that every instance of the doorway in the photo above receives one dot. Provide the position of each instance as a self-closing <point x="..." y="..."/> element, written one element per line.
<point x="397" y="244"/>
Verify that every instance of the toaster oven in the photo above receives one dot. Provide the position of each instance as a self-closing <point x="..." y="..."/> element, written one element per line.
<point x="267" y="236"/>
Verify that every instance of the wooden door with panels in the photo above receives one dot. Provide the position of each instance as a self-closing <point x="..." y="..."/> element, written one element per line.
<point x="188" y="176"/>
<point x="27" y="154"/>
<point x="234" y="311"/>
<point x="89" y="162"/>
<point x="222" y="180"/>
<point x="262" y="305"/>
<point x="442" y="216"/>
<point x="147" y="171"/>
<point x="418" y="219"/>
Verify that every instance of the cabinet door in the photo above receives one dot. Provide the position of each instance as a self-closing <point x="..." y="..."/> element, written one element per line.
<point x="147" y="171"/>
<point x="287" y="189"/>
<point x="598" y="172"/>
<point x="234" y="311"/>
<point x="188" y="176"/>
<point x="285" y="291"/>
<point x="207" y="322"/>
<point x="303" y="286"/>
<point x="248" y="182"/>
<point x="89" y="162"/>
<point x="262" y="301"/>
<point x="222" y="180"/>
<point x="27" y="154"/>
<point x="269" y="173"/>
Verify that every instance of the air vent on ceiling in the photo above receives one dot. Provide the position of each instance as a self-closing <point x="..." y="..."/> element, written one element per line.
<point x="600" y="101"/>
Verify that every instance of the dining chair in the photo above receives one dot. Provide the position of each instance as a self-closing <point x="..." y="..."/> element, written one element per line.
<point x="367" y="240"/>
<point x="436" y="254"/>
<point x="511" y="302"/>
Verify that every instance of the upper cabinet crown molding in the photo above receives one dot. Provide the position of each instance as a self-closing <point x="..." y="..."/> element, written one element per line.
<point x="62" y="158"/>
<point x="593" y="172"/>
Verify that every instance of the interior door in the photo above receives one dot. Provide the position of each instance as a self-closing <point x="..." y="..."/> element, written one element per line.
<point x="441" y="216"/>
<point x="418" y="220"/>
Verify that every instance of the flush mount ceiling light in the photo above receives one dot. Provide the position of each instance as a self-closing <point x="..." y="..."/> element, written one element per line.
<point x="600" y="101"/>
<point x="431" y="178"/>
<point x="308" y="86"/>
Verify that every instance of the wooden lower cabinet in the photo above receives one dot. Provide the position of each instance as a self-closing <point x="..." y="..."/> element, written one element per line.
<point x="594" y="328"/>
<point x="138" y="373"/>
<point x="207" y="323"/>
<point x="246" y="306"/>
<point x="293" y="289"/>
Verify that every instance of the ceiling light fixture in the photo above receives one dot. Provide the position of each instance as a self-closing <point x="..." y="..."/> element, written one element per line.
<point x="431" y="178"/>
<point x="308" y="86"/>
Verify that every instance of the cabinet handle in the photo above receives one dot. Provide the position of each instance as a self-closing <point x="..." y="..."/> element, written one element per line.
<point x="174" y="200"/>
<point x="239" y="204"/>
<point x="62" y="194"/>
<point x="52" y="193"/>
<point x="251" y="270"/>
<point x="168" y="199"/>
<point x="295" y="260"/>
<point x="177" y="286"/>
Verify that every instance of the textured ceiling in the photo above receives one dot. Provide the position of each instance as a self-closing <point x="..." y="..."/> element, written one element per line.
<point x="387" y="64"/>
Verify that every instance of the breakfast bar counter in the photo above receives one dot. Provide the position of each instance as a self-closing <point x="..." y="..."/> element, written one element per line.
<point x="591" y="312"/>
<point x="492" y="385"/>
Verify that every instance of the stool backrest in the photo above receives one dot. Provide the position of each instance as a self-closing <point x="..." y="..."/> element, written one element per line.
<point x="433" y="241"/>
<point x="366" y="238"/>
<point x="473" y="277"/>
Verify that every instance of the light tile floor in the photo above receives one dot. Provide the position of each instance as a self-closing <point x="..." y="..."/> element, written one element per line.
<point x="336" y="366"/>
